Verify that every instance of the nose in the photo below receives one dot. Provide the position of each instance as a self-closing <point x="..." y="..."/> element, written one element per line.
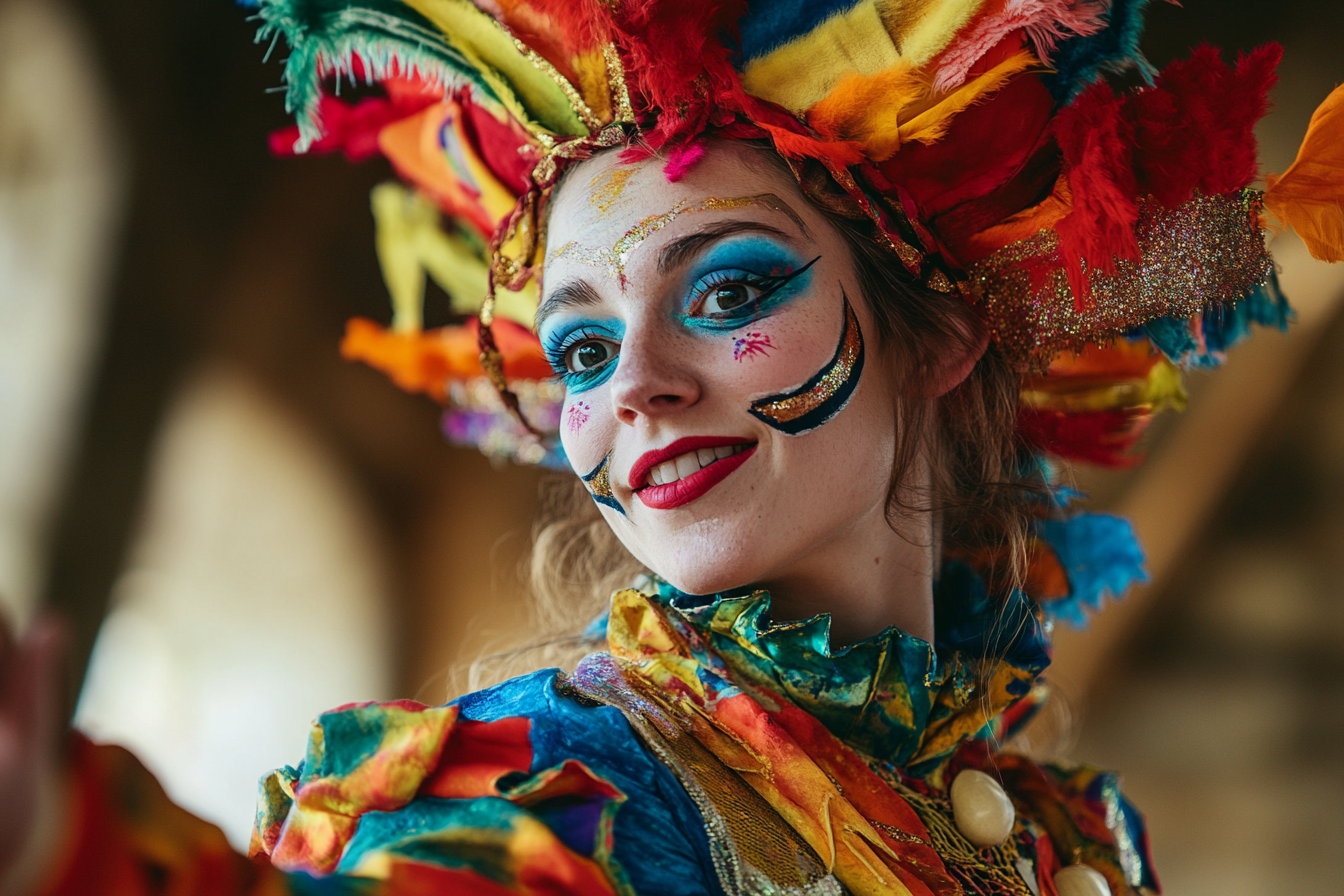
<point x="652" y="379"/>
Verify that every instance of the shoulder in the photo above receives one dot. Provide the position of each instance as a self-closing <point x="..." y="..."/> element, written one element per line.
<point x="550" y="779"/>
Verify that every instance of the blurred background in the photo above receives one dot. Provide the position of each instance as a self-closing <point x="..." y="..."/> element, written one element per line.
<point x="242" y="530"/>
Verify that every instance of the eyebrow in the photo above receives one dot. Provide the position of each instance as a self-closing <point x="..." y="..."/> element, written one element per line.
<point x="575" y="294"/>
<point x="678" y="251"/>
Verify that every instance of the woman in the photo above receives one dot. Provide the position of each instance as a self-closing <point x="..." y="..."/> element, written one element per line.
<point x="826" y="287"/>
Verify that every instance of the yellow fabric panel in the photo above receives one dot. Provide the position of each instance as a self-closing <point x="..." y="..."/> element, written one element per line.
<point x="410" y="243"/>
<point x="528" y="93"/>
<point x="921" y="29"/>
<point x="802" y="72"/>
<point x="1161" y="389"/>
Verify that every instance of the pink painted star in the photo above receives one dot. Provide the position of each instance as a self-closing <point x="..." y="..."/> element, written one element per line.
<point x="751" y="345"/>
<point x="578" y="415"/>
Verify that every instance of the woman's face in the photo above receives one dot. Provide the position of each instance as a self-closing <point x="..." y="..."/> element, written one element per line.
<point x="725" y="402"/>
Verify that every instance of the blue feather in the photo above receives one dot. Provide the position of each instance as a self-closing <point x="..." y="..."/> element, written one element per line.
<point x="1082" y="60"/>
<point x="1223" y="326"/>
<point x="1101" y="556"/>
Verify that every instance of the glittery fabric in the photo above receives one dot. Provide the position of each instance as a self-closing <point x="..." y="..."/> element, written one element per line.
<point x="823" y="396"/>
<point x="995" y="871"/>
<point x="829" y="798"/>
<point x="1209" y="251"/>
<point x="615" y="258"/>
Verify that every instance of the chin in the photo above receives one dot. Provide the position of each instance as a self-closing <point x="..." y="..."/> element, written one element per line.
<point x="707" y="566"/>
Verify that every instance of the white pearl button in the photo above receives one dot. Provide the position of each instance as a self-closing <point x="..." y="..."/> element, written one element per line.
<point x="1081" y="880"/>
<point x="981" y="809"/>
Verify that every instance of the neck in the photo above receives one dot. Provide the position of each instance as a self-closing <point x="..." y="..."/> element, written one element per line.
<point x="868" y="578"/>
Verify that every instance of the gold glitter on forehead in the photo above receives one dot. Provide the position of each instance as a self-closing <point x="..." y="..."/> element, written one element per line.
<point x="607" y="187"/>
<point x="615" y="258"/>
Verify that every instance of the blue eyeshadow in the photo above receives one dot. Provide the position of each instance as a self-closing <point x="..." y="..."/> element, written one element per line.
<point x="558" y="337"/>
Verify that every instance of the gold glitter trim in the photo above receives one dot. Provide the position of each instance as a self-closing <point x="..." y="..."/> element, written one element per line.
<point x="620" y="91"/>
<point x="1211" y="250"/>
<point x="576" y="101"/>
<point x="908" y="254"/>
<point x="940" y="281"/>
<point x="615" y="258"/>
<point x="786" y="410"/>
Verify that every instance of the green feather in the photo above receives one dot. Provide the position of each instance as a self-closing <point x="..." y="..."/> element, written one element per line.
<point x="391" y="38"/>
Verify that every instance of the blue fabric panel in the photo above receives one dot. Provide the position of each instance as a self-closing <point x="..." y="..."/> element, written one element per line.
<point x="660" y="839"/>
<point x="770" y="25"/>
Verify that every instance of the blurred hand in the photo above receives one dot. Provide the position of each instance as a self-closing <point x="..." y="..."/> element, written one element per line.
<point x="29" y="752"/>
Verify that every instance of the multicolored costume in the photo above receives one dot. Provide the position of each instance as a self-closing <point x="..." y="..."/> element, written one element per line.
<point x="1107" y="240"/>
<point x="706" y="752"/>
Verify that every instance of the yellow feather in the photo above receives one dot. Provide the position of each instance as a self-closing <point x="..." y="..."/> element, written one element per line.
<point x="802" y="72"/>
<point x="930" y="125"/>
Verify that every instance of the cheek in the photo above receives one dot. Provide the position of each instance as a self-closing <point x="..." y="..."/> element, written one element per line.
<point x="777" y="353"/>
<point x="587" y="428"/>
<point x="577" y="416"/>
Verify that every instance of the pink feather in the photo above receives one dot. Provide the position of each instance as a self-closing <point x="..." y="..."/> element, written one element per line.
<point x="1045" y="22"/>
<point x="680" y="160"/>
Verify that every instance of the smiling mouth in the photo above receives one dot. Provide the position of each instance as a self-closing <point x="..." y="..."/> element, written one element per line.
<point x="685" y="470"/>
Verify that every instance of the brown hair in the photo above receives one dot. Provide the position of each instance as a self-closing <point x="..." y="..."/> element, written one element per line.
<point x="981" y="472"/>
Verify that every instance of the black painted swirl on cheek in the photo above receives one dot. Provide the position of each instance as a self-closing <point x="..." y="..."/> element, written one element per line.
<point x="819" y="399"/>
<point x="599" y="485"/>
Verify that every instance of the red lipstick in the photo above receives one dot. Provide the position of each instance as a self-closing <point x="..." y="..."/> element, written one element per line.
<point x="687" y="489"/>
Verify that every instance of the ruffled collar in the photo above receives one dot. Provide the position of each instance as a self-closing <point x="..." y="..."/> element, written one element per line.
<point x="893" y="697"/>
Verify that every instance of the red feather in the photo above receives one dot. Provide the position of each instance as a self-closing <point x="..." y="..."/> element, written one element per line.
<point x="1096" y="142"/>
<point x="1194" y="129"/>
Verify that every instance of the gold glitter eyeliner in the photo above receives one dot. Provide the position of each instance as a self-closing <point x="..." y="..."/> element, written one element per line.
<point x="826" y="394"/>
<point x="615" y="258"/>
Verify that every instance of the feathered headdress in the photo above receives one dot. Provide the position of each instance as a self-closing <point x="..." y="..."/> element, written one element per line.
<point x="1107" y="239"/>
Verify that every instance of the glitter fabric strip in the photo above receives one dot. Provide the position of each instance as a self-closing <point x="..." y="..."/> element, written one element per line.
<point x="1211" y="250"/>
<point x="754" y="851"/>
<point x="581" y="109"/>
<point x="826" y="394"/>
<point x="599" y="484"/>
<point x="615" y="258"/>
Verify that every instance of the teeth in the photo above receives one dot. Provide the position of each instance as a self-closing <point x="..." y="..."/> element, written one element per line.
<point x="687" y="464"/>
<point x="679" y="468"/>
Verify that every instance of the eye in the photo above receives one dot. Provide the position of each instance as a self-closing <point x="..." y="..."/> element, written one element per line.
<point x="728" y="297"/>
<point x="589" y="355"/>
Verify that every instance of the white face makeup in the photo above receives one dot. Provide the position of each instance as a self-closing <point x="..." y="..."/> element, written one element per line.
<point x="711" y="336"/>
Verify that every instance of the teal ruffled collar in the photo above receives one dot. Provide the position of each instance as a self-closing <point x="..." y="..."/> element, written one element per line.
<point x="893" y="697"/>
